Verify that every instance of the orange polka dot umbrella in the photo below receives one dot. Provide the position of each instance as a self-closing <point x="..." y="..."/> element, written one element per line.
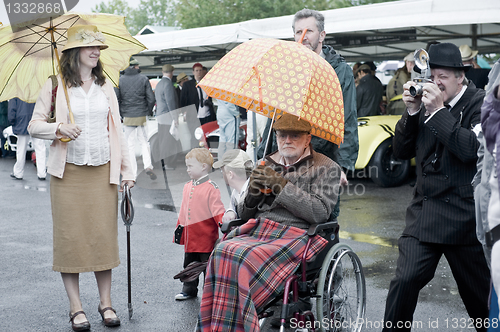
<point x="270" y="76"/>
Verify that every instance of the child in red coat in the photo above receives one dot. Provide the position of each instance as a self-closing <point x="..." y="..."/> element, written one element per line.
<point x="200" y="215"/>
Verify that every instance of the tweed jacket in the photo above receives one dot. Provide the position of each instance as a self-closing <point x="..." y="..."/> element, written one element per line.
<point x="309" y="196"/>
<point x="445" y="149"/>
<point x="39" y="128"/>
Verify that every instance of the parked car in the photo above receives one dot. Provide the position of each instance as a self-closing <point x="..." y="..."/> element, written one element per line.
<point x="208" y="135"/>
<point x="375" y="158"/>
<point x="12" y="143"/>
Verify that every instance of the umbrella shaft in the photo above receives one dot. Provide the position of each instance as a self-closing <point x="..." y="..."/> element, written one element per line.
<point x="129" y="269"/>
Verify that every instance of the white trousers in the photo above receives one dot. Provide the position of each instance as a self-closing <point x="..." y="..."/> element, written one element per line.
<point x="132" y="135"/>
<point x="40" y="151"/>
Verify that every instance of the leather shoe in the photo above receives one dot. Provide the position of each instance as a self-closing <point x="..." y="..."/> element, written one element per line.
<point x="85" y="326"/>
<point x="15" y="177"/>
<point x="109" y="322"/>
<point x="151" y="174"/>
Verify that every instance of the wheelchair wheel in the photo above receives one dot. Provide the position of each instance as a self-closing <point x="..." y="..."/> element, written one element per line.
<point x="341" y="291"/>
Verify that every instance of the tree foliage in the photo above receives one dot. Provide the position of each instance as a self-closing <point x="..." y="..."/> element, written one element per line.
<point x="200" y="13"/>
<point x="149" y="12"/>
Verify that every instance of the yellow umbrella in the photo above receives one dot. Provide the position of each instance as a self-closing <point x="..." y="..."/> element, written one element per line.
<point x="28" y="56"/>
<point x="271" y="76"/>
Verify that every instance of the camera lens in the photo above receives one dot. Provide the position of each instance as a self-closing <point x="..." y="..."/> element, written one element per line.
<point x="416" y="90"/>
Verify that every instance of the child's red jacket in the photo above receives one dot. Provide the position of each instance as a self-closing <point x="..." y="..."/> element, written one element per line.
<point x="201" y="215"/>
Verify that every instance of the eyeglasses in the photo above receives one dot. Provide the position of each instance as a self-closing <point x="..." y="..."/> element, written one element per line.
<point x="291" y="136"/>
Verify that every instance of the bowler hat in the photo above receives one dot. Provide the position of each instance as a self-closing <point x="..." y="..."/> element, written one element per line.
<point x="290" y="122"/>
<point x="167" y="68"/>
<point x="84" y="36"/>
<point x="446" y="55"/>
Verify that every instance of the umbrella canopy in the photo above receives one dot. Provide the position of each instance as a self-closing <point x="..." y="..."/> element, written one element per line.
<point x="28" y="57"/>
<point x="270" y="75"/>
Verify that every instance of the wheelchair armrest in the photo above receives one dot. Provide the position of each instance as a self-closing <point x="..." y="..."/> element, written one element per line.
<point x="315" y="229"/>
<point x="227" y="227"/>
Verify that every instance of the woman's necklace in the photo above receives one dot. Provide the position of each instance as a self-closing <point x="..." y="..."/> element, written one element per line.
<point x="88" y="79"/>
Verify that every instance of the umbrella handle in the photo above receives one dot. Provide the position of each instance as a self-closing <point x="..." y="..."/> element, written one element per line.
<point x="302" y="37"/>
<point x="127" y="208"/>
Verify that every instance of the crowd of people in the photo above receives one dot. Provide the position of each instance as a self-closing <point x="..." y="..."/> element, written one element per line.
<point x="455" y="209"/>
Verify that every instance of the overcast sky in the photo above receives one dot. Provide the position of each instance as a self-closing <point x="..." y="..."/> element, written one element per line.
<point x="83" y="6"/>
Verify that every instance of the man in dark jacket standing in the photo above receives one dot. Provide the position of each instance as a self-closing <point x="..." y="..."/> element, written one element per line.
<point x="191" y="94"/>
<point x="439" y="129"/>
<point x="368" y="92"/>
<point x="136" y="100"/>
<point x="347" y="153"/>
<point x="19" y="114"/>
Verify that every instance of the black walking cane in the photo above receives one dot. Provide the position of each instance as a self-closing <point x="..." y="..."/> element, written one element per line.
<point x="127" y="210"/>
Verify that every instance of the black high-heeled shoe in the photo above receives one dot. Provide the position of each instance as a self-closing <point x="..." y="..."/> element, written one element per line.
<point x="109" y="322"/>
<point x="85" y="326"/>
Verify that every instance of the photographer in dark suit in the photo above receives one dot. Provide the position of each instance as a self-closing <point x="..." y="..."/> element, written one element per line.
<point x="438" y="129"/>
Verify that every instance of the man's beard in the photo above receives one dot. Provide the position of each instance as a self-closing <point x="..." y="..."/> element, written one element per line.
<point x="312" y="46"/>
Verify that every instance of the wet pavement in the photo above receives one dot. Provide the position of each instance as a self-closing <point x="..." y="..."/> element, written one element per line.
<point x="32" y="296"/>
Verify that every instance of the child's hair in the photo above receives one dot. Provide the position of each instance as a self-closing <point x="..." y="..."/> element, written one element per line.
<point x="202" y="155"/>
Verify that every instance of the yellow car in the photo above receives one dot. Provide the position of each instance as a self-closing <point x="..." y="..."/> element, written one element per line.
<point x="375" y="156"/>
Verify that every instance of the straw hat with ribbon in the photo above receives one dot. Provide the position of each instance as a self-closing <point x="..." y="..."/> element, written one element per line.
<point x="84" y="36"/>
<point x="467" y="53"/>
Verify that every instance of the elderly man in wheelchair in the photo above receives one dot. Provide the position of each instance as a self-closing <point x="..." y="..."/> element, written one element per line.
<point x="286" y="228"/>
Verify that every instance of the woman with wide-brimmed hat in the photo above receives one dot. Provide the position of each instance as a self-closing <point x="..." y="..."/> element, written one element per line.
<point x="85" y="171"/>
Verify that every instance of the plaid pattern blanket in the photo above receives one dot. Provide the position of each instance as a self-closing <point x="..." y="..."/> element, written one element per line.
<point x="248" y="269"/>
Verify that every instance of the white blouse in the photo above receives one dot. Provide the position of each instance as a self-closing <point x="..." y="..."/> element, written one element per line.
<point x="91" y="115"/>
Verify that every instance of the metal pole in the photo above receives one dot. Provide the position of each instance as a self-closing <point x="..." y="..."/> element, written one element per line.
<point x="129" y="272"/>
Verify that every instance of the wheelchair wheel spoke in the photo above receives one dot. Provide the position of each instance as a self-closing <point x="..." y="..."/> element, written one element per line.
<point x="342" y="291"/>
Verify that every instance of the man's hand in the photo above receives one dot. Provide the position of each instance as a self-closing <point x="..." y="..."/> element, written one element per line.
<point x="228" y="216"/>
<point x="343" y="179"/>
<point x="266" y="177"/>
<point x="254" y="194"/>
<point x="412" y="103"/>
<point x="432" y="97"/>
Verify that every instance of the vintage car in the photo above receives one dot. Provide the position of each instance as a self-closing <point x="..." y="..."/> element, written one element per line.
<point x="11" y="143"/>
<point x="375" y="157"/>
<point x="208" y="136"/>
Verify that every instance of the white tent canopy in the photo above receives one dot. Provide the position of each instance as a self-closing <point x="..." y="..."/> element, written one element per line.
<point x="375" y="32"/>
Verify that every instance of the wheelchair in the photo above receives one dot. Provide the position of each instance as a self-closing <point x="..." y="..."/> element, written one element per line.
<point x="334" y="280"/>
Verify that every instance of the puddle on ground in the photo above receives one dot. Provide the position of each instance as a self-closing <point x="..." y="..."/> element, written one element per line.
<point x="43" y="189"/>
<point x="367" y="238"/>
<point x="162" y="207"/>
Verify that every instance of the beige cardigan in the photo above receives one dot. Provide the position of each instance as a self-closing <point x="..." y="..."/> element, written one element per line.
<point x="39" y="128"/>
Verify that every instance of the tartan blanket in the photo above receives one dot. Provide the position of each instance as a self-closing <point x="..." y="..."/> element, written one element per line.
<point x="248" y="269"/>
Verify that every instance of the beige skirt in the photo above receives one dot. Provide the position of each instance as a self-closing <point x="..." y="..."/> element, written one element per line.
<point x="84" y="214"/>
